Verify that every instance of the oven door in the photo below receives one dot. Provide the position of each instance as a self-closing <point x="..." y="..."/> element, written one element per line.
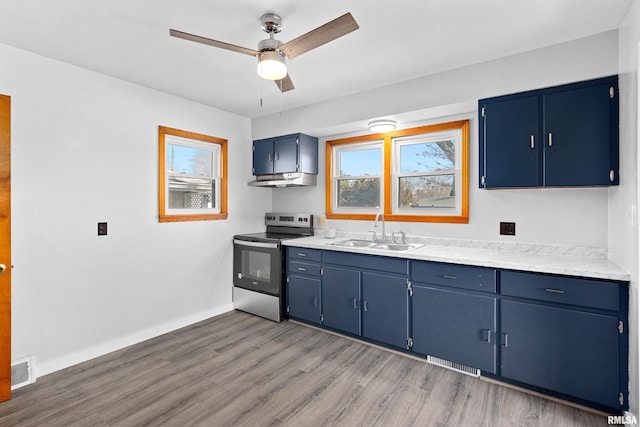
<point x="257" y="266"/>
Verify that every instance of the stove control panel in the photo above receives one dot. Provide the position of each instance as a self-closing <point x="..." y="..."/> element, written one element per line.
<point x="289" y="219"/>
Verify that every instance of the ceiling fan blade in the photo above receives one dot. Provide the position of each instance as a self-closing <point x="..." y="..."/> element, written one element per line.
<point x="321" y="35"/>
<point x="211" y="42"/>
<point x="285" y="85"/>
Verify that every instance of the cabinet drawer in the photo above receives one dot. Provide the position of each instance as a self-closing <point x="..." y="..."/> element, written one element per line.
<point x="298" y="267"/>
<point x="369" y="262"/>
<point x="559" y="289"/>
<point x="455" y="276"/>
<point x="304" y="254"/>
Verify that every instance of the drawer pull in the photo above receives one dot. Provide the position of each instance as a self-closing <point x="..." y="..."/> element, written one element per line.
<point x="554" y="291"/>
<point x="449" y="276"/>
<point x="488" y="335"/>
<point x="505" y="340"/>
<point x="301" y="254"/>
<point x="302" y="269"/>
<point x="365" y="307"/>
<point x="355" y="303"/>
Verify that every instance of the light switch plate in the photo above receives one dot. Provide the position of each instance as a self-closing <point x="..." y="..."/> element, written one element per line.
<point x="102" y="229"/>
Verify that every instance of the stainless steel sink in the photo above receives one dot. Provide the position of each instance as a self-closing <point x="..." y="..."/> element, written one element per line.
<point x="384" y="246"/>
<point x="398" y="247"/>
<point x="354" y="243"/>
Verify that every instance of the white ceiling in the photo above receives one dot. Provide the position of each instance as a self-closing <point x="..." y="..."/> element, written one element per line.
<point x="129" y="39"/>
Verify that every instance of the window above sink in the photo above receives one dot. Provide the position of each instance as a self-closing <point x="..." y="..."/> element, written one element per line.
<point x="418" y="175"/>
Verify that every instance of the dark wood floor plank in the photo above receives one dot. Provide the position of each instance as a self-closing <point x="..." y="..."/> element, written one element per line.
<point x="241" y="370"/>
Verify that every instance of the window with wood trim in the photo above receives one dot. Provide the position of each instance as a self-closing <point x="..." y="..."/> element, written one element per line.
<point x="192" y="178"/>
<point x="419" y="174"/>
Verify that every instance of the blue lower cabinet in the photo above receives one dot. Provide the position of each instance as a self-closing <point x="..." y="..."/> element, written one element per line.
<point x="303" y="298"/>
<point x="341" y="299"/>
<point x="567" y="351"/>
<point x="385" y="308"/>
<point x="559" y="335"/>
<point x="455" y="326"/>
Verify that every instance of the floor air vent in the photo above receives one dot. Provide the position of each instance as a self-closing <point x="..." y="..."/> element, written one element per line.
<point x="454" y="366"/>
<point x="22" y="373"/>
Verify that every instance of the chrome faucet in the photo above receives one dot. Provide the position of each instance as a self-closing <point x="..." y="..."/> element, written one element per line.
<point x="375" y="224"/>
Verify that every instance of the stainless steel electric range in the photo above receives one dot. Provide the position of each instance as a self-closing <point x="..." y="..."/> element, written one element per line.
<point x="258" y="264"/>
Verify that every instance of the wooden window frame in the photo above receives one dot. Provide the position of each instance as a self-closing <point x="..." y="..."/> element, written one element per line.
<point x="163" y="216"/>
<point x="387" y="181"/>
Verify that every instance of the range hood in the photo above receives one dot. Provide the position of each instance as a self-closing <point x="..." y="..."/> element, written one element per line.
<point x="297" y="179"/>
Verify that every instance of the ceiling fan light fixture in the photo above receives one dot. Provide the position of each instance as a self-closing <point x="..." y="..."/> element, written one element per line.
<point x="382" y="125"/>
<point x="271" y="65"/>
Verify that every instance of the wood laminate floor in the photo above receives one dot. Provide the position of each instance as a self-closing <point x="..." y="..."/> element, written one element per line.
<point x="240" y="370"/>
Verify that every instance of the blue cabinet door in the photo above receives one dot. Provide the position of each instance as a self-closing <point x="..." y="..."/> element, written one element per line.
<point x="303" y="298"/>
<point x="560" y="136"/>
<point x="341" y="299"/>
<point x="263" y="157"/>
<point x="563" y="350"/>
<point x="577" y="134"/>
<point x="509" y="143"/>
<point x="385" y="308"/>
<point x="285" y="153"/>
<point x="455" y="326"/>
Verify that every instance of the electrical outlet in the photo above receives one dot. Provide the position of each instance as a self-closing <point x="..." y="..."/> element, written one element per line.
<point x="508" y="228"/>
<point x="102" y="229"/>
<point x="322" y="221"/>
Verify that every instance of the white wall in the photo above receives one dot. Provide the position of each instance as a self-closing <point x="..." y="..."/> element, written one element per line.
<point x="623" y="201"/>
<point x="84" y="150"/>
<point x="563" y="216"/>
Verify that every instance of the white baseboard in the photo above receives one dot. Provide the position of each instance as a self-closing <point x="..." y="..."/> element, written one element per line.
<point x="89" y="353"/>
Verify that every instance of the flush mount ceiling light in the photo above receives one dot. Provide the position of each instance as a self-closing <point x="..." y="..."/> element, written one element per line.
<point x="381" y="126"/>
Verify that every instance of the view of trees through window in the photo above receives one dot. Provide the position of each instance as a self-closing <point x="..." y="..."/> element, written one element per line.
<point x="426" y="178"/>
<point x="357" y="193"/>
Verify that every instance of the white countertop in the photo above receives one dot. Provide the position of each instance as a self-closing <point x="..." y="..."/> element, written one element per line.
<point x="555" y="259"/>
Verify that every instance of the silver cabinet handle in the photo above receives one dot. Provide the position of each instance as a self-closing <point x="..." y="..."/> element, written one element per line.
<point x="533" y="141"/>
<point x="488" y="335"/>
<point x="505" y="340"/>
<point x="277" y="156"/>
<point x="449" y="276"/>
<point x="302" y="254"/>
<point x="355" y="303"/>
<point x="269" y="156"/>
<point x="302" y="269"/>
<point x="365" y="306"/>
<point x="554" y="291"/>
<point x="550" y="139"/>
<point x="315" y="301"/>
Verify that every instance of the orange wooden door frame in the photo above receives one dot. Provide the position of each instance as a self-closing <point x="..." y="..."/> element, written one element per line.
<point x="5" y="248"/>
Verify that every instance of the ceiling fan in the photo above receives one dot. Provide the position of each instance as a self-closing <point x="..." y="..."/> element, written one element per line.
<point x="271" y="52"/>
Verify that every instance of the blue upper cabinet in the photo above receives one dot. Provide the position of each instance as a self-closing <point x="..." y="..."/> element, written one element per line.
<point x="285" y="154"/>
<point x="556" y="137"/>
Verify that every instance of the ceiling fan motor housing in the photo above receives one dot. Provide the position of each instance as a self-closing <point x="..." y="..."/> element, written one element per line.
<point x="271" y="23"/>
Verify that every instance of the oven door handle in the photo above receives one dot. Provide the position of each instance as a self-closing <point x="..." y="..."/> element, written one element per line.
<point x="255" y="244"/>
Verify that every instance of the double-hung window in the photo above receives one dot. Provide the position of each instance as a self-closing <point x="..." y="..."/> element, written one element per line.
<point x="192" y="178"/>
<point x="418" y="174"/>
<point x="357" y="177"/>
